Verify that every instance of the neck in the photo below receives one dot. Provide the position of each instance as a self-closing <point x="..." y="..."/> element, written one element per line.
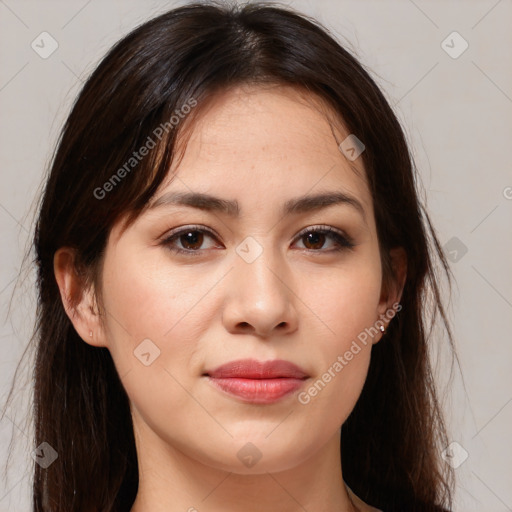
<point x="172" y="481"/>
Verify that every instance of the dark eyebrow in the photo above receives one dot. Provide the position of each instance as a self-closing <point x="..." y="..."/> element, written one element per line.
<point x="322" y="200"/>
<point x="198" y="200"/>
<point x="231" y="208"/>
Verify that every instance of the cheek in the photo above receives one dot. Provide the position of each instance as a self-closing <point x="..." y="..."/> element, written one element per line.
<point x="146" y="299"/>
<point x="346" y="300"/>
<point x="346" y="305"/>
<point x="155" y="310"/>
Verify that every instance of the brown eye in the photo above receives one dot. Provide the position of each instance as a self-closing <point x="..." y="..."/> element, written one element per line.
<point x="191" y="240"/>
<point x="315" y="238"/>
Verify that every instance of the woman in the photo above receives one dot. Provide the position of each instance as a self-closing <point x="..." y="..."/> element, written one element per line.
<point x="234" y="274"/>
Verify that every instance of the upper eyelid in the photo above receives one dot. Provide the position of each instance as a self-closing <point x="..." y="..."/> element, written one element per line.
<point x="185" y="228"/>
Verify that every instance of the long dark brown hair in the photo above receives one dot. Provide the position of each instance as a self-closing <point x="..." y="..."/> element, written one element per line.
<point x="392" y="439"/>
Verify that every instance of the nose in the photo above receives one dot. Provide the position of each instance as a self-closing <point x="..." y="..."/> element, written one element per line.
<point x="260" y="298"/>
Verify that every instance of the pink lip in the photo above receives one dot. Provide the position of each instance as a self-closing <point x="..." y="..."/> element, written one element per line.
<point x="260" y="382"/>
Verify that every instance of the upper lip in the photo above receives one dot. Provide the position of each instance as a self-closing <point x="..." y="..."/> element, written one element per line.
<point x="253" y="369"/>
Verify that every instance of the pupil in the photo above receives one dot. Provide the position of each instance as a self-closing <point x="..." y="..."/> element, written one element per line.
<point x="193" y="238"/>
<point x="311" y="237"/>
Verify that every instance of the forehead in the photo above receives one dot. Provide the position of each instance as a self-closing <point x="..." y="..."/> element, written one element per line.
<point x="271" y="116"/>
<point x="269" y="140"/>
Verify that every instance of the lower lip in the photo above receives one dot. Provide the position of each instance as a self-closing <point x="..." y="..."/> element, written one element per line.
<point x="258" y="391"/>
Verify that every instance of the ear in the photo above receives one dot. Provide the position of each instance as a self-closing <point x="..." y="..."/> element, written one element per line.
<point x="393" y="292"/>
<point x="78" y="300"/>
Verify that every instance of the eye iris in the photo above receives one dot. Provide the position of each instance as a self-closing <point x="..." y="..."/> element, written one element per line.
<point x="312" y="238"/>
<point x="192" y="238"/>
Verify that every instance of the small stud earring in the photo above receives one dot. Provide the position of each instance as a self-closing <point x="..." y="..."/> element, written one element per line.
<point x="90" y="334"/>
<point x="381" y="327"/>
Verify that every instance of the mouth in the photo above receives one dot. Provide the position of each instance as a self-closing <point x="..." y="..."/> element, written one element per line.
<point x="261" y="382"/>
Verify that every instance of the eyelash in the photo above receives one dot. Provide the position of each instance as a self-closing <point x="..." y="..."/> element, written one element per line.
<point x="343" y="242"/>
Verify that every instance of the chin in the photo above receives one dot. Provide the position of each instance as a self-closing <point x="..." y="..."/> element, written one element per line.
<point x="256" y="457"/>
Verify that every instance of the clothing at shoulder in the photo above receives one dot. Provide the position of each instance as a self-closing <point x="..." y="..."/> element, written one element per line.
<point x="417" y="507"/>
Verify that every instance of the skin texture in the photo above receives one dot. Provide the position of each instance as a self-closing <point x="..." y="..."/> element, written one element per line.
<point x="298" y="301"/>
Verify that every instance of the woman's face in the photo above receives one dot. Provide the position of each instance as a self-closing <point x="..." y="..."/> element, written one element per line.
<point x="245" y="277"/>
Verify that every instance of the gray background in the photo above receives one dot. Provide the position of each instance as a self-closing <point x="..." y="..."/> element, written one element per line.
<point x="457" y="113"/>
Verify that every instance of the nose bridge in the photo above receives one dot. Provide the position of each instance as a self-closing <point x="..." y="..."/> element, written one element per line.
<point x="260" y="296"/>
<point x="257" y="267"/>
